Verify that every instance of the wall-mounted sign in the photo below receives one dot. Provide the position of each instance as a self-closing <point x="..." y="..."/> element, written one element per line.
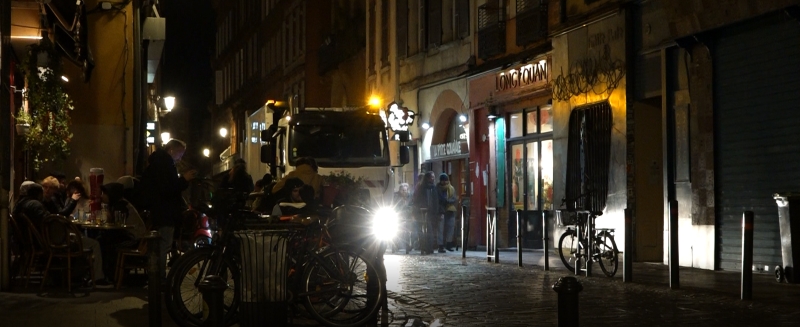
<point x="531" y="74"/>
<point x="453" y="148"/>
<point x="400" y="118"/>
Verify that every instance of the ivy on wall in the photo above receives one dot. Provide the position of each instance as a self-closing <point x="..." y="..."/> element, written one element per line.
<point x="49" y="106"/>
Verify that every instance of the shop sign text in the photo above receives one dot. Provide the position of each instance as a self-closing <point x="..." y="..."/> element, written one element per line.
<point x="527" y="75"/>
<point x="452" y="148"/>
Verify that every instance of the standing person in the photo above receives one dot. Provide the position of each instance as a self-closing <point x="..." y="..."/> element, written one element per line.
<point x="426" y="197"/>
<point x="447" y="204"/>
<point x="52" y="198"/>
<point x="163" y="189"/>
<point x="402" y="204"/>
<point x="238" y="179"/>
<point x="307" y="172"/>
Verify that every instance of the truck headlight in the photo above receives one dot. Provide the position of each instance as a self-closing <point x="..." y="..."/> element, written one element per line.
<point x="385" y="223"/>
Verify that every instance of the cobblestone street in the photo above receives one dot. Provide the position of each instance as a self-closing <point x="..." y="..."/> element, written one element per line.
<point x="473" y="292"/>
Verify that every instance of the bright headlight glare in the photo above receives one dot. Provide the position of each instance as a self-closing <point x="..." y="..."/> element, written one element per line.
<point x="385" y="224"/>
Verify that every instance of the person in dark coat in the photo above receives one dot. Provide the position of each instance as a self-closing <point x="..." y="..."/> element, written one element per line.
<point x="162" y="189"/>
<point x="426" y="196"/>
<point x="238" y="179"/>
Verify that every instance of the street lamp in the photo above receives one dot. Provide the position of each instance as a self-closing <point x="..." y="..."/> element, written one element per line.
<point x="165" y="137"/>
<point x="169" y="102"/>
<point x="206" y="152"/>
<point x="223" y="132"/>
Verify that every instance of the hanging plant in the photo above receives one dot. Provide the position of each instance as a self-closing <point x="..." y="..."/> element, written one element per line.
<point x="49" y="105"/>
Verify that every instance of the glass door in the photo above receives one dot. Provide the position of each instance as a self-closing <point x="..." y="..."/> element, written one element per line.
<point x="531" y="167"/>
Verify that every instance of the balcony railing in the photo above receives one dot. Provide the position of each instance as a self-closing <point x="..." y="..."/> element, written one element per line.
<point x="531" y="21"/>
<point x="491" y="31"/>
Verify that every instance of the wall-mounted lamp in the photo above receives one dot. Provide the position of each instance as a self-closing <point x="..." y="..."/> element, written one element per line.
<point x="223" y="132"/>
<point x="492" y="113"/>
<point x="169" y="103"/>
<point x="64" y="78"/>
<point x="425" y="125"/>
<point x="462" y="118"/>
<point x="206" y="152"/>
<point x="165" y="137"/>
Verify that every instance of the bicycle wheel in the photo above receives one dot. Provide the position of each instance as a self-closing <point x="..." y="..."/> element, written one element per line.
<point x="607" y="252"/>
<point x="568" y="249"/>
<point x="183" y="299"/>
<point x="336" y="289"/>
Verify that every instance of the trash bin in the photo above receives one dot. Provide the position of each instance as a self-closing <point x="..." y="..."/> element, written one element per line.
<point x="263" y="298"/>
<point x="788" y="203"/>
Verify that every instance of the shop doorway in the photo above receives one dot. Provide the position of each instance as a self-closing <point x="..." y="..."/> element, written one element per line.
<point x="649" y="235"/>
<point x="530" y="163"/>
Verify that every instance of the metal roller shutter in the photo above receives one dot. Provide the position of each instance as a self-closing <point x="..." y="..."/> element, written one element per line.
<point x="757" y="132"/>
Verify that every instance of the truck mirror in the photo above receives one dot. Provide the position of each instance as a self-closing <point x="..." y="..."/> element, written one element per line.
<point x="404" y="154"/>
<point x="268" y="153"/>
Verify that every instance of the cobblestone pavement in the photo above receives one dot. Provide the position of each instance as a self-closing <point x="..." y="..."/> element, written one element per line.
<point x="443" y="288"/>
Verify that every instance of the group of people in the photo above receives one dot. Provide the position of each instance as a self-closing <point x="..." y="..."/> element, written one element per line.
<point x="432" y="202"/>
<point x="36" y="201"/>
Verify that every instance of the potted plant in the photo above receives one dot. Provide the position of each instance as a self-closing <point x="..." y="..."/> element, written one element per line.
<point x="23" y="120"/>
<point x="340" y="186"/>
<point x="49" y="107"/>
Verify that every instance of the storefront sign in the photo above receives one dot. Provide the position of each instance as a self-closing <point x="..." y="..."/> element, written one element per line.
<point x="532" y="74"/>
<point x="453" y="148"/>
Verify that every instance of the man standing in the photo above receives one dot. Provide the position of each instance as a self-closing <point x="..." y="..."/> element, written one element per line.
<point x="447" y="205"/>
<point x="426" y="197"/>
<point x="163" y="189"/>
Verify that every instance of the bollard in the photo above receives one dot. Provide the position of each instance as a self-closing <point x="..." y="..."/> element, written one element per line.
<point x="589" y="249"/>
<point x="491" y="235"/>
<point x="545" y="239"/>
<point x="567" y="289"/>
<point x="213" y="289"/>
<point x="674" y="262"/>
<point x="519" y="238"/>
<point x="464" y="231"/>
<point x="154" y="278"/>
<point x="627" y="255"/>
<point x="747" y="255"/>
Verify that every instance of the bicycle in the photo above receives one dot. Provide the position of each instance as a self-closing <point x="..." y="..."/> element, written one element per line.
<point x="572" y="245"/>
<point x="333" y="280"/>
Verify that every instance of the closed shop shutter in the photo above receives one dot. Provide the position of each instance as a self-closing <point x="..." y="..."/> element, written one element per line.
<point x="757" y="132"/>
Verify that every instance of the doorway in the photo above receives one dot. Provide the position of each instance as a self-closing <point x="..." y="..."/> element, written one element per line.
<point x="649" y="172"/>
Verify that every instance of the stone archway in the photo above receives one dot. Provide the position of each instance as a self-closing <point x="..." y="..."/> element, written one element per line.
<point x="444" y="110"/>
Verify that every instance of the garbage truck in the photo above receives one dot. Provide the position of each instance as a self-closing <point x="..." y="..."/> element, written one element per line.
<point x="350" y="142"/>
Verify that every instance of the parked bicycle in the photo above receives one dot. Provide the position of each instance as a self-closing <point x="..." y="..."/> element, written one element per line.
<point x="327" y="281"/>
<point x="572" y="245"/>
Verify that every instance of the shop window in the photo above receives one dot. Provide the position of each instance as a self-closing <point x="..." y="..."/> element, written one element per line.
<point x="531" y="122"/>
<point x="515" y="124"/>
<point x="546" y="119"/>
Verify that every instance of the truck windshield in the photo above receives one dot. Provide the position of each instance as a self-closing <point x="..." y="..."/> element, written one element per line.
<point x="339" y="145"/>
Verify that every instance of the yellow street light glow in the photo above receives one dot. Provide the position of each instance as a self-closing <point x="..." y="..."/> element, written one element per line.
<point x="374" y="101"/>
<point x="223" y="132"/>
<point x="165" y="137"/>
<point x="206" y="152"/>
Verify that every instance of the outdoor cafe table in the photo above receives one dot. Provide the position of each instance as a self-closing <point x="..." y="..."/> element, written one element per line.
<point x="103" y="227"/>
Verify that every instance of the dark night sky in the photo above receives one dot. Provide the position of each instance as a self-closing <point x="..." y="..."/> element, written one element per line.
<point x="187" y="72"/>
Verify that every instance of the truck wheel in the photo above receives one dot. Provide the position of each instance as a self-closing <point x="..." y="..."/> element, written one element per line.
<point x="779" y="276"/>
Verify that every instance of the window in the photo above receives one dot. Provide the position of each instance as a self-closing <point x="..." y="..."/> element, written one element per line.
<point x="372" y="50"/>
<point x="462" y="18"/>
<point x="385" y="33"/>
<point x="434" y="24"/>
<point x="531" y="159"/>
<point x="402" y="28"/>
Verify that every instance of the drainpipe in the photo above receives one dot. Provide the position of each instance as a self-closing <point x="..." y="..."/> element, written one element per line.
<point x="137" y="94"/>
<point x="6" y="143"/>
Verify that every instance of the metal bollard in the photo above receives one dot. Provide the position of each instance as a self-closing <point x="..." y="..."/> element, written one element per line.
<point x="519" y="238"/>
<point x="424" y="245"/>
<point x="747" y="255"/>
<point x="154" y="278"/>
<point x="567" y="289"/>
<point x="545" y="242"/>
<point x="464" y="231"/>
<point x="213" y="288"/>
<point x="674" y="262"/>
<point x="627" y="255"/>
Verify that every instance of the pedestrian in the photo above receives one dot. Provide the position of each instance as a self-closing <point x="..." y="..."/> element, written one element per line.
<point x="447" y="206"/>
<point x="162" y="191"/>
<point x="402" y="205"/>
<point x="238" y="179"/>
<point x="427" y="198"/>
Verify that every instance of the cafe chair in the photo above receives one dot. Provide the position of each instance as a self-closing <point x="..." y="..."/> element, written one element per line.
<point x="63" y="240"/>
<point x="139" y="253"/>
<point x="31" y="245"/>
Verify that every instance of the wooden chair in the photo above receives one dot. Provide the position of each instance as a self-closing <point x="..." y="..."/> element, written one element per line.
<point x="63" y="240"/>
<point x="19" y="249"/>
<point x="32" y="243"/>
<point x="122" y="264"/>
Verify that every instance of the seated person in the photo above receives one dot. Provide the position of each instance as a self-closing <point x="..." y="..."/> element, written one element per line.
<point x="264" y="196"/>
<point x="131" y="191"/>
<point x="114" y="240"/>
<point x="82" y="203"/>
<point x="51" y="198"/>
<point x="30" y="204"/>
<point x="300" y="202"/>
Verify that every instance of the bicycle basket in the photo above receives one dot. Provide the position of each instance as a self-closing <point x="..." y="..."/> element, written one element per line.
<point x="566" y="218"/>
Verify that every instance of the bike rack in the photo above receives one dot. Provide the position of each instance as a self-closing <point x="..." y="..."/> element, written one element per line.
<point x="491" y="235"/>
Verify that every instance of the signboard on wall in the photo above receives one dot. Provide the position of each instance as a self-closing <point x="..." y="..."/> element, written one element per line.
<point x="450" y="149"/>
